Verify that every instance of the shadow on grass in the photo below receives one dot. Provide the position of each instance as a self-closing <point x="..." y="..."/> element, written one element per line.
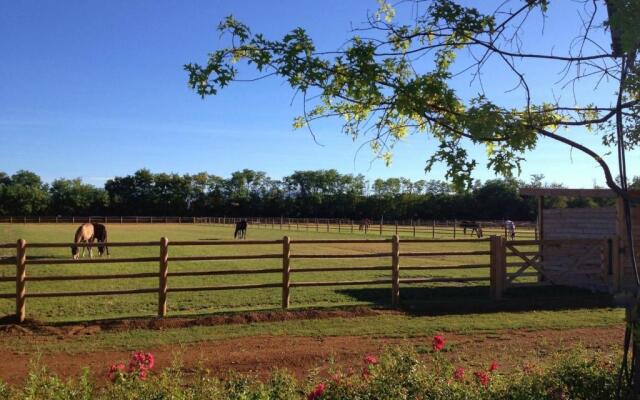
<point x="476" y="299"/>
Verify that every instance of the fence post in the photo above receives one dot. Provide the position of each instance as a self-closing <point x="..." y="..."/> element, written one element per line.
<point x="454" y="228"/>
<point x="338" y="226"/>
<point x="381" y="222"/>
<point x="395" y="271"/>
<point x="616" y="265"/>
<point x="164" y="270"/>
<point x="433" y="229"/>
<point x="498" y="266"/>
<point x="286" y="271"/>
<point x="396" y="227"/>
<point x="414" y="228"/>
<point x="21" y="276"/>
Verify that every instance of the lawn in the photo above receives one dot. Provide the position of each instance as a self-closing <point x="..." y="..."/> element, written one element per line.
<point x="418" y="298"/>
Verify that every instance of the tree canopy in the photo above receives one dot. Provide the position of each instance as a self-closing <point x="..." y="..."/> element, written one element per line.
<point x="306" y="194"/>
<point x="400" y="72"/>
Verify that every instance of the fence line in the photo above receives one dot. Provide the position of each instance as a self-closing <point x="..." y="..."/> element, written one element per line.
<point x="164" y="273"/>
<point x="411" y="227"/>
<point x="499" y="250"/>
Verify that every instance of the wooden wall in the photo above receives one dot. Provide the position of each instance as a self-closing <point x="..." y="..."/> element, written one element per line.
<point x="581" y="265"/>
<point x="627" y="278"/>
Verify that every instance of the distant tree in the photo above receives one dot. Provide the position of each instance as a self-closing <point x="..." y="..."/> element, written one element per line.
<point x="72" y="197"/>
<point x="23" y="194"/>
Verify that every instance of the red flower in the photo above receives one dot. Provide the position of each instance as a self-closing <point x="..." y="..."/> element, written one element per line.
<point x="458" y="374"/>
<point x="370" y="360"/>
<point x="140" y="361"/>
<point x="482" y="378"/>
<point x="316" y="392"/>
<point x="494" y="366"/>
<point x="115" y="370"/>
<point x="438" y="343"/>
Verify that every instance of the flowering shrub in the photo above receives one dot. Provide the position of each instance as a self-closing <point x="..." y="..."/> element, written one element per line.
<point x="317" y="392"/>
<point x="139" y="366"/>
<point x="458" y="374"/>
<point x="482" y="377"/>
<point x="438" y="343"/>
<point x="394" y="374"/>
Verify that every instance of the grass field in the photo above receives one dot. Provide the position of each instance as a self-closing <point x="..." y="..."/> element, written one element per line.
<point x="80" y="308"/>
<point x="196" y="303"/>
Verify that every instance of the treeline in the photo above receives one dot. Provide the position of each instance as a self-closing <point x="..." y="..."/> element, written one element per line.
<point x="320" y="194"/>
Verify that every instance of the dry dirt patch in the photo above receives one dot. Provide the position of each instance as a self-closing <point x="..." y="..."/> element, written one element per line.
<point x="260" y="355"/>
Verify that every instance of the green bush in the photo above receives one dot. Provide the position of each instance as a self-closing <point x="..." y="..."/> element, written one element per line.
<point x="399" y="373"/>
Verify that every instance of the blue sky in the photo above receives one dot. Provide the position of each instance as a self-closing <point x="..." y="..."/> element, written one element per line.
<point x="96" y="89"/>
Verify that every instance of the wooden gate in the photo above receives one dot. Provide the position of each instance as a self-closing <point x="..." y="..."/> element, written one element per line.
<point x="584" y="263"/>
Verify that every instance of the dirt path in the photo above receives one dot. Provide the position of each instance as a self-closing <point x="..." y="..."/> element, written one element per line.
<point x="300" y="354"/>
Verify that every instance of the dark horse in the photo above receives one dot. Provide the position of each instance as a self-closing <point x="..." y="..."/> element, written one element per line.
<point x="241" y="230"/>
<point x="473" y="225"/>
<point x="364" y="224"/>
<point x="100" y="235"/>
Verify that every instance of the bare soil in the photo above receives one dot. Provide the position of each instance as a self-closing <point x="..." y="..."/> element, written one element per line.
<point x="260" y="355"/>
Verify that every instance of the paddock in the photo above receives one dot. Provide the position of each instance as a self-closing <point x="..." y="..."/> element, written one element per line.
<point x="198" y="270"/>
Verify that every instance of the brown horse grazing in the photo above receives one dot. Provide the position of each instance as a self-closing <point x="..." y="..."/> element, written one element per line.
<point x="364" y="224"/>
<point x="100" y="235"/>
<point x="473" y="225"/>
<point x="85" y="233"/>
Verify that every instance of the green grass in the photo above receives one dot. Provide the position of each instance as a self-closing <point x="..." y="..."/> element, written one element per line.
<point x="206" y="302"/>
<point x="384" y="325"/>
<point x="82" y="308"/>
<point x="422" y="302"/>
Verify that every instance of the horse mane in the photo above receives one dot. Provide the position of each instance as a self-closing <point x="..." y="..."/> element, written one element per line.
<point x="78" y="235"/>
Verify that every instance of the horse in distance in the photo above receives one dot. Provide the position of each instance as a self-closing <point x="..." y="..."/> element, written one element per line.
<point x="241" y="230"/>
<point x="364" y="224"/>
<point x="473" y="225"/>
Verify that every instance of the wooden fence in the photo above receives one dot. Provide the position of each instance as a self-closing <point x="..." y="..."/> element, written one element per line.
<point x="500" y="251"/>
<point x="285" y="252"/>
<point x="413" y="227"/>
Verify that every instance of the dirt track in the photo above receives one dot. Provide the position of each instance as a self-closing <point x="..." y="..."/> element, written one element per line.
<point x="301" y="354"/>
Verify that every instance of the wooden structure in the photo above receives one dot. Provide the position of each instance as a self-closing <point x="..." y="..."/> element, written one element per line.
<point x="584" y="264"/>
<point x="283" y="249"/>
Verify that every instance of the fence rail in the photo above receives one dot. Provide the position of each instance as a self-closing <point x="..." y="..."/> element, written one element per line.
<point x="381" y="226"/>
<point x="499" y="250"/>
<point x="288" y="274"/>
